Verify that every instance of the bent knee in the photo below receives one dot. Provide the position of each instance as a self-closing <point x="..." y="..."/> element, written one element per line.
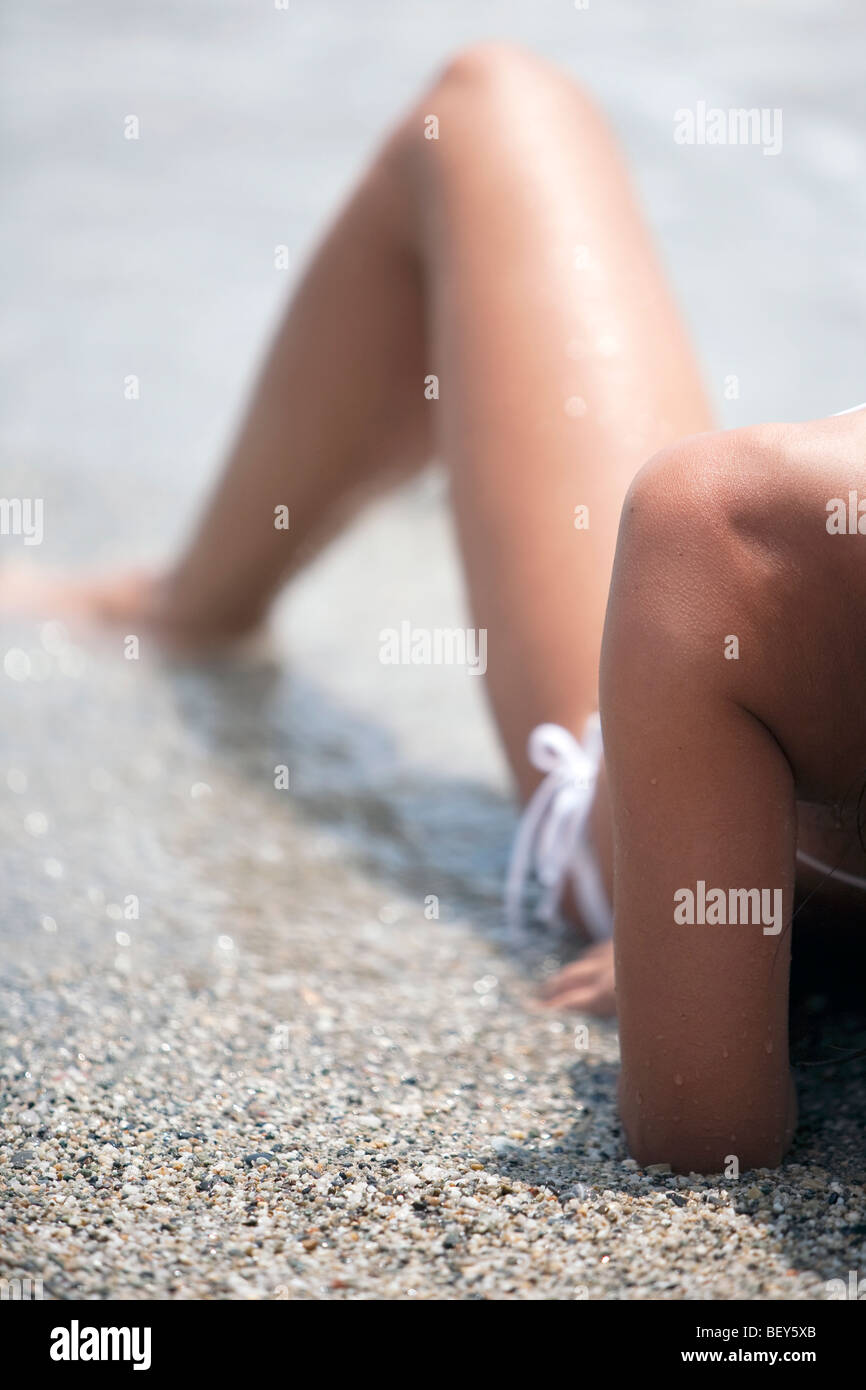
<point x="707" y="508"/>
<point x="492" y="104"/>
<point x="505" y="78"/>
<point x="482" y="65"/>
<point x="677" y="523"/>
<point x="681" y="490"/>
<point x="689" y="589"/>
<point x="735" y="482"/>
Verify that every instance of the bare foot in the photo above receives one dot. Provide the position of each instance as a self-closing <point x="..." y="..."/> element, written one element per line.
<point x="41" y="593"/>
<point x="586" y="984"/>
<point x="137" y="600"/>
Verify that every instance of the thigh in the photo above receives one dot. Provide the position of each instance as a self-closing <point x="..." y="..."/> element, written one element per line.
<point x="562" y="359"/>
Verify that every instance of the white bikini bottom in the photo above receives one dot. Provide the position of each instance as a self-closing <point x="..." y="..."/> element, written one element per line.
<point x="553" y="836"/>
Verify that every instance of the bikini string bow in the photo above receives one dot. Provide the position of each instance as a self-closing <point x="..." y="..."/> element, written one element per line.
<point x="552" y="828"/>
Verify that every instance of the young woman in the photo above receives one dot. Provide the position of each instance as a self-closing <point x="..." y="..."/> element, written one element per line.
<point x="498" y="246"/>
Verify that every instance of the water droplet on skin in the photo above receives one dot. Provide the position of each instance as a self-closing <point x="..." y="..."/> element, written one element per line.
<point x="678" y="1080"/>
<point x="768" y="1046"/>
<point x="725" y="1052"/>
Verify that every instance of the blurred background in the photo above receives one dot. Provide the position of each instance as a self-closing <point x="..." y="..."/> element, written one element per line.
<point x="154" y="257"/>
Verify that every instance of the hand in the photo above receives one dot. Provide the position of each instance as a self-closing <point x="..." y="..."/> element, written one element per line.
<point x="586" y="984"/>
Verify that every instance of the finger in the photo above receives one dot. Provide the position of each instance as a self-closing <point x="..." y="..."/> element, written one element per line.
<point x="595" y="1000"/>
<point x="582" y="972"/>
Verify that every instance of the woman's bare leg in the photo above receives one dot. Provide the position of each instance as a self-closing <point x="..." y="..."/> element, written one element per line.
<point x="338" y="410"/>
<point x="562" y="360"/>
<point x="507" y="257"/>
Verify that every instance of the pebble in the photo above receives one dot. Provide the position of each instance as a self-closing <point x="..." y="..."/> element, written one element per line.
<point x="325" y="1111"/>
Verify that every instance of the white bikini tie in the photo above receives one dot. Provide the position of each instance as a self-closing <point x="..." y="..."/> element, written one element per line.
<point x="552" y="838"/>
